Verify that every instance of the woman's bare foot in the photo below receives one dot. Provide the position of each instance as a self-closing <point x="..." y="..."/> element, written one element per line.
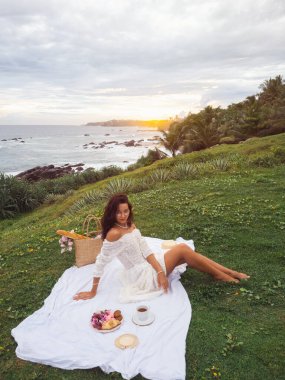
<point x="239" y="275"/>
<point x="226" y="278"/>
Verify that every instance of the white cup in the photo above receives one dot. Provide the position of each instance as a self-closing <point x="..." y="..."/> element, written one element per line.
<point x="142" y="313"/>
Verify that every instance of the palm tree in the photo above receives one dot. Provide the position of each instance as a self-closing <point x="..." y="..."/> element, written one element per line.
<point x="173" y="138"/>
<point x="272" y="90"/>
<point x="202" y="129"/>
<point x="272" y="100"/>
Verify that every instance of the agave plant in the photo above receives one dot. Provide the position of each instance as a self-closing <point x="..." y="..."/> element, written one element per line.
<point x="92" y="197"/>
<point x="220" y="164"/>
<point x="77" y="206"/>
<point x="117" y="185"/>
<point x="159" y="175"/>
<point x="184" y="170"/>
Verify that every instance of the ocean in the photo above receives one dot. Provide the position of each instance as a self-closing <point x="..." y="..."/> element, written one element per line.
<point x="24" y="147"/>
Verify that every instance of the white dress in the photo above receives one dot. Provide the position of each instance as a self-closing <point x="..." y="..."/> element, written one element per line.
<point x="139" y="279"/>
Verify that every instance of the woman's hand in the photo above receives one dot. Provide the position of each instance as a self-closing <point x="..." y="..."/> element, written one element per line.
<point x="162" y="281"/>
<point x="84" y="295"/>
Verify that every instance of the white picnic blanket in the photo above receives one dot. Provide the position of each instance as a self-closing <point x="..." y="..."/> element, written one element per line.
<point x="60" y="334"/>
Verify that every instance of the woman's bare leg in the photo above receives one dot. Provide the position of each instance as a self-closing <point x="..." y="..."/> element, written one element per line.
<point x="183" y="254"/>
<point x="229" y="271"/>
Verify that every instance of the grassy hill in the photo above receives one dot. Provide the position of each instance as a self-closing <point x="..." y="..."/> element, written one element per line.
<point x="230" y="200"/>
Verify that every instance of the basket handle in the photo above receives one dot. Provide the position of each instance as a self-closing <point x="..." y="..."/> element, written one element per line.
<point x="86" y="224"/>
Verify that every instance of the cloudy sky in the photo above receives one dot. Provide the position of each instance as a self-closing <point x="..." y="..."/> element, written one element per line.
<point x="71" y="61"/>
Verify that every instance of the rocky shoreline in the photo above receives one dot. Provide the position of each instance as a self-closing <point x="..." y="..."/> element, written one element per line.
<point x="49" y="172"/>
<point x="18" y="139"/>
<point x="111" y="144"/>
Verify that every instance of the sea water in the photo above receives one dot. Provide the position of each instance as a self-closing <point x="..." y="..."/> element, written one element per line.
<point x="24" y="147"/>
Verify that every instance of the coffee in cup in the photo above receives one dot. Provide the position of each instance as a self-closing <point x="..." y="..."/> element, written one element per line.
<point x="142" y="313"/>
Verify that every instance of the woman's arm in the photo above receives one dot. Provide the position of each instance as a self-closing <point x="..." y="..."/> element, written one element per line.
<point x="149" y="256"/>
<point x="161" y="276"/>
<point x="105" y="256"/>
<point x="88" y="295"/>
<point x="154" y="263"/>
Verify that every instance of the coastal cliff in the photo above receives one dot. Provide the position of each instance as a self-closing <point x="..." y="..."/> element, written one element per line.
<point x="157" y="124"/>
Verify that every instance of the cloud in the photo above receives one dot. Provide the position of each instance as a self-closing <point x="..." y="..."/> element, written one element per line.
<point x="96" y="58"/>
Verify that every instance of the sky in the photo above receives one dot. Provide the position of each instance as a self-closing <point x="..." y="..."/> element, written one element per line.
<point x="74" y="62"/>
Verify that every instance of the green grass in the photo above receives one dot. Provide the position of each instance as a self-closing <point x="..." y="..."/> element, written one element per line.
<point x="234" y="217"/>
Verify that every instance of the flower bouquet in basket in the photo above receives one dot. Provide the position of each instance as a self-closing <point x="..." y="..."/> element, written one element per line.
<point x="66" y="243"/>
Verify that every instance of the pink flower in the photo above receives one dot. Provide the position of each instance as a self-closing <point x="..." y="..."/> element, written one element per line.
<point x="65" y="244"/>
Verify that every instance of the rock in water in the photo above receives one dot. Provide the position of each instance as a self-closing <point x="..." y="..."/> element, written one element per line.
<point x="49" y="172"/>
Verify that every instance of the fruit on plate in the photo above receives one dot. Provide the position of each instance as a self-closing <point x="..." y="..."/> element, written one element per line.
<point x="106" y="319"/>
<point x="118" y="315"/>
<point x="111" y="324"/>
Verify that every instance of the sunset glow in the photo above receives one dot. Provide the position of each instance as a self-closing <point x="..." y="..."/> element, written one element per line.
<point x="73" y="63"/>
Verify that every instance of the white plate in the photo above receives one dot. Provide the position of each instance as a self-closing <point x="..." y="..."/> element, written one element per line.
<point x="147" y="322"/>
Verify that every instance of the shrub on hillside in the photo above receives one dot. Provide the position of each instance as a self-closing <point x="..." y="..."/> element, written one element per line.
<point x="17" y="196"/>
<point x="110" y="171"/>
<point x="279" y="154"/>
<point x="151" y="157"/>
<point x="68" y="182"/>
<point x="8" y="205"/>
<point x="267" y="160"/>
<point x="91" y="175"/>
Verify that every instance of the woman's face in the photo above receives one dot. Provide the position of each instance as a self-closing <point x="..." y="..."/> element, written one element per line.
<point x="122" y="213"/>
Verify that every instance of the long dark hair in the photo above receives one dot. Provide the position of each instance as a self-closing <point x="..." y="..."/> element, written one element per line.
<point x="109" y="217"/>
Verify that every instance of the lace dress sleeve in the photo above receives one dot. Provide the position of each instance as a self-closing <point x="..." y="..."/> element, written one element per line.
<point x="146" y="251"/>
<point x="108" y="251"/>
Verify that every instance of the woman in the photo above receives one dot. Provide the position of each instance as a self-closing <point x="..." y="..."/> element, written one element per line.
<point x="145" y="275"/>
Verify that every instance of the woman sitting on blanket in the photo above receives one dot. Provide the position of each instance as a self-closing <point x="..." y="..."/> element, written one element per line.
<point x="145" y="274"/>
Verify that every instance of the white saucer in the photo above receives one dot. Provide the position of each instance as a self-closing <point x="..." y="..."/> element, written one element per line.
<point x="148" y="321"/>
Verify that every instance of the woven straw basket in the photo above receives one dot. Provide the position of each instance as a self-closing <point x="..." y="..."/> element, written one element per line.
<point x="86" y="250"/>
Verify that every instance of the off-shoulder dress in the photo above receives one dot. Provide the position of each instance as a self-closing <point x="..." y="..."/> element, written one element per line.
<point x="139" y="279"/>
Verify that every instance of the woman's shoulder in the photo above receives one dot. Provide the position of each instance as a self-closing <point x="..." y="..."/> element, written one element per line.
<point x="113" y="235"/>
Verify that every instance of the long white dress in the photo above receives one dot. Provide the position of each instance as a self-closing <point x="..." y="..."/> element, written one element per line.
<point x="138" y="279"/>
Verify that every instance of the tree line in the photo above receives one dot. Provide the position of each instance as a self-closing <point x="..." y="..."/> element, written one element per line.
<point x="258" y="115"/>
